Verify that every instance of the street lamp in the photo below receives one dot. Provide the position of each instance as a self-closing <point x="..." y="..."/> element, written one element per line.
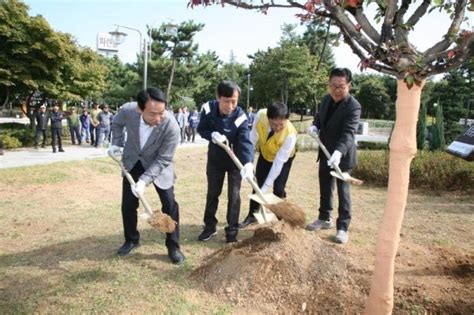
<point x="119" y="38"/>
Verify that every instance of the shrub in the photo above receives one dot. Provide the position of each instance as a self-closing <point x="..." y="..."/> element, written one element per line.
<point x="435" y="171"/>
<point x="23" y="133"/>
<point x="9" y="142"/>
<point x="364" y="145"/>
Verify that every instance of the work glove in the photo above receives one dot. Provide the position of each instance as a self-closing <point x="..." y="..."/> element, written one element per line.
<point x="247" y="171"/>
<point x="114" y="150"/>
<point x="218" y="137"/>
<point x="313" y="129"/>
<point x="139" y="188"/>
<point x="335" y="159"/>
<point x="265" y="188"/>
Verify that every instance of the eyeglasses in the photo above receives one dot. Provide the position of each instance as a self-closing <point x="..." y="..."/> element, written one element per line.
<point x="338" y="87"/>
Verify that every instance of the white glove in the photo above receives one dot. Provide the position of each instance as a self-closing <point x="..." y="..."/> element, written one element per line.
<point x="218" y="137"/>
<point x="335" y="159"/>
<point x="114" y="150"/>
<point x="313" y="129"/>
<point x="247" y="171"/>
<point x="139" y="188"/>
<point x="265" y="188"/>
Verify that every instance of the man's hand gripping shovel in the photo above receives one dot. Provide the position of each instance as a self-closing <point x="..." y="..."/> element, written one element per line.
<point x="263" y="215"/>
<point x="344" y="176"/>
<point x="163" y="222"/>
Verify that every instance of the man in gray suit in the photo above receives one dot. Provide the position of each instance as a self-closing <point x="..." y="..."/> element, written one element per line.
<point x="152" y="138"/>
<point x="337" y="122"/>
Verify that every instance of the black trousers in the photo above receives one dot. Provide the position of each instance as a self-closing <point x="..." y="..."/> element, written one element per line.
<point x="261" y="173"/>
<point x="94" y="134"/>
<point x="215" y="181"/>
<point x="326" y="188"/>
<point x="56" y="136"/>
<point x="130" y="205"/>
<point x="39" y="133"/>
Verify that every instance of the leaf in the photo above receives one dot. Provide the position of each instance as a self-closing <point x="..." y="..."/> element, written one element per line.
<point x="358" y="27"/>
<point x="409" y="80"/>
<point x="437" y="3"/>
<point x="352" y="3"/>
<point x="451" y="54"/>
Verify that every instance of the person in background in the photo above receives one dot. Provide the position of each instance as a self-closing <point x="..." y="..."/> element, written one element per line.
<point x="153" y="136"/>
<point x="94" y="126"/>
<point x="250" y="117"/>
<point x="74" y="125"/>
<point x="85" y="120"/>
<point x="336" y="122"/>
<point x="181" y="119"/>
<point x="193" y="120"/>
<point x="223" y="120"/>
<point x="57" y="117"/>
<point x="41" y="118"/>
<point x="105" y="121"/>
<point x="275" y="137"/>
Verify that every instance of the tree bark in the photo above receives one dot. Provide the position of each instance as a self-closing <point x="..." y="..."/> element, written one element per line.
<point x="402" y="151"/>
<point x="168" y="90"/>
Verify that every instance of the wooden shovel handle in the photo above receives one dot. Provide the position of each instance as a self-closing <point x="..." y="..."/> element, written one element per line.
<point x="225" y="145"/>
<point x="129" y="177"/>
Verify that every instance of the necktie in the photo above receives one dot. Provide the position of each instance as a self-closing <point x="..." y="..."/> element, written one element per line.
<point x="270" y="134"/>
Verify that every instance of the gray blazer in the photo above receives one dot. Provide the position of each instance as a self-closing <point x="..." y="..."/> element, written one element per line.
<point x="157" y="154"/>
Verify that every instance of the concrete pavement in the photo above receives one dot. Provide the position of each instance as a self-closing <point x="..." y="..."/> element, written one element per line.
<point x="31" y="156"/>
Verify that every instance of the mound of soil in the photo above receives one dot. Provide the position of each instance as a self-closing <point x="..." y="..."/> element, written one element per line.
<point x="283" y="269"/>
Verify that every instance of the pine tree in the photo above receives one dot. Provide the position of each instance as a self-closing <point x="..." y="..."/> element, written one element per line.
<point x="421" y="128"/>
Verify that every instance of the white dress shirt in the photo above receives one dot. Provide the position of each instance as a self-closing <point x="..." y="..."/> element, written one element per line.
<point x="145" y="132"/>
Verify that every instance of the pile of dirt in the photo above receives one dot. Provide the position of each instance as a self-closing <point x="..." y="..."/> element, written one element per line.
<point x="282" y="269"/>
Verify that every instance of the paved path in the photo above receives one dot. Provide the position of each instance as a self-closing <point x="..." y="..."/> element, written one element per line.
<point x="30" y="156"/>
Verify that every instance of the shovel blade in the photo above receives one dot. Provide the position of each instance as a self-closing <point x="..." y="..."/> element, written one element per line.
<point x="264" y="215"/>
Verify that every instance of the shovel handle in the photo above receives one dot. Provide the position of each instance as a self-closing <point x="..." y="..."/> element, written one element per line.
<point x="225" y="145"/>
<point x="129" y="177"/>
<point x="326" y="152"/>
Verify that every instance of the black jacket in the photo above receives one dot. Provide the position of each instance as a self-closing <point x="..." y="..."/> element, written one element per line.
<point x="41" y="120"/>
<point x="338" y="133"/>
<point x="56" y="120"/>
<point x="233" y="126"/>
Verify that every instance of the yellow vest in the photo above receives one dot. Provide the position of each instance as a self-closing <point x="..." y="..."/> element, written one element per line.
<point x="269" y="148"/>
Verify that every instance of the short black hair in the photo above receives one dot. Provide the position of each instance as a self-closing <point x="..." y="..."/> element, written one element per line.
<point x="277" y="110"/>
<point x="341" y="72"/>
<point x="150" y="93"/>
<point x="226" y="89"/>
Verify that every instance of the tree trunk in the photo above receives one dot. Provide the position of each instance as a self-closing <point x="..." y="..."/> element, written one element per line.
<point x="168" y="91"/>
<point x="402" y="151"/>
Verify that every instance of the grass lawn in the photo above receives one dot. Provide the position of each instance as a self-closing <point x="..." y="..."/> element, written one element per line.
<point x="61" y="226"/>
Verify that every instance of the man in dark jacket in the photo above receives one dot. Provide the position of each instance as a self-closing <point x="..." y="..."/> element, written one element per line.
<point x="222" y="119"/>
<point x="41" y="126"/>
<point x="57" y="127"/>
<point x="337" y="122"/>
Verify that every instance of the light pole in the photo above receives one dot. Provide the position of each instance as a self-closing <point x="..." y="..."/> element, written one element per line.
<point x="119" y="37"/>
<point x="248" y="90"/>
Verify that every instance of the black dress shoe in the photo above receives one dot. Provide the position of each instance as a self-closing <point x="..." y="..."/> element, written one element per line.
<point x="248" y="221"/>
<point x="176" y="256"/>
<point x="126" y="248"/>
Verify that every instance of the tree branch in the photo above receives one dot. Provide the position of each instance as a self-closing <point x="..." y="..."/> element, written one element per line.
<point x="346" y="24"/>
<point x="401" y="29"/>
<point x="419" y="12"/>
<point x="452" y="31"/>
<point x="366" y="26"/>
<point x="462" y="54"/>
<point x="390" y="12"/>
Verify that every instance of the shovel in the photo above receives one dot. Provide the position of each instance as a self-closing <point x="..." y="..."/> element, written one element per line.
<point x="263" y="215"/>
<point x="346" y="177"/>
<point x="163" y="222"/>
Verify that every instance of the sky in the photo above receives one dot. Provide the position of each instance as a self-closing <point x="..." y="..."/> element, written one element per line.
<point x="227" y="30"/>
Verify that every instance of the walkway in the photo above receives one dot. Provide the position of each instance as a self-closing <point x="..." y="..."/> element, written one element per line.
<point x="30" y="156"/>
